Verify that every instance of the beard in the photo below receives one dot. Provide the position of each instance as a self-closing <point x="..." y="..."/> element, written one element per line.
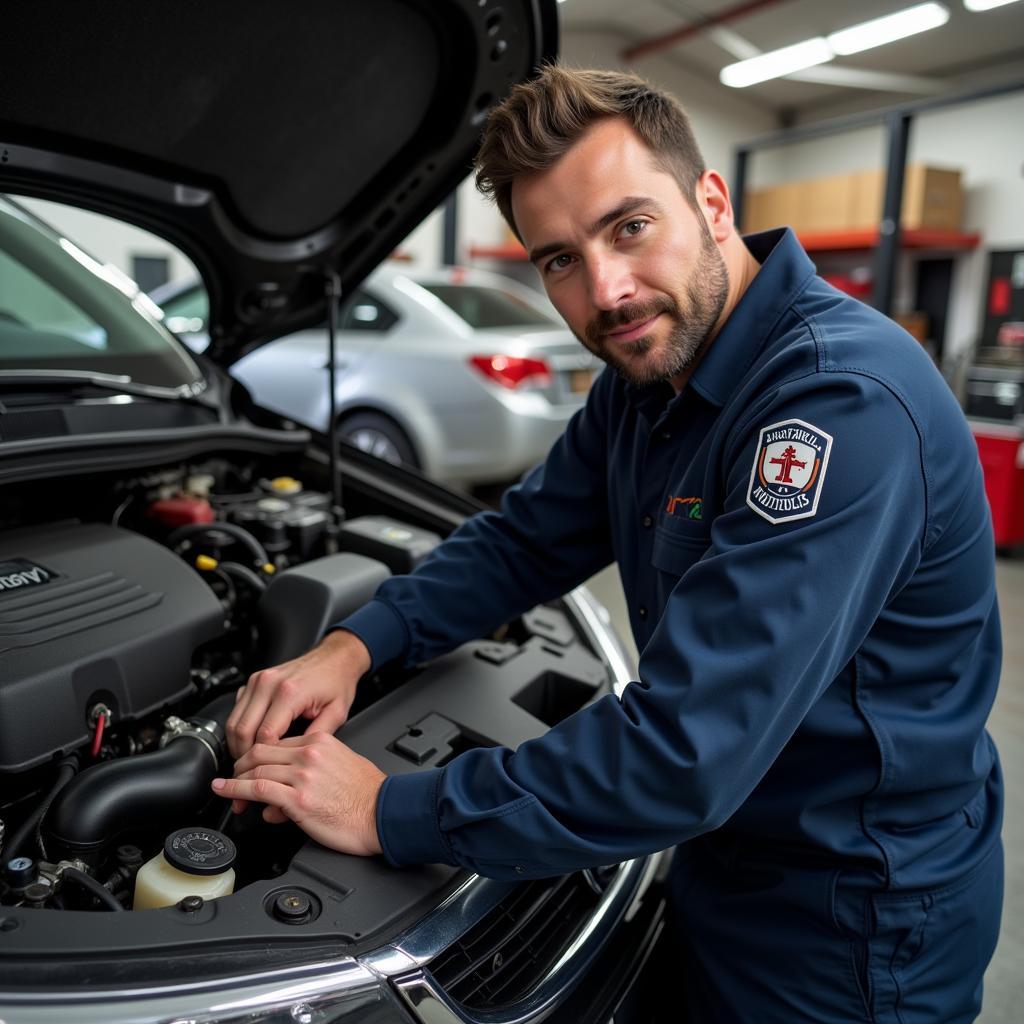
<point x="641" y="361"/>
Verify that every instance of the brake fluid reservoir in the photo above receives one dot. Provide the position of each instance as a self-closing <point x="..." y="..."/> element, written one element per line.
<point x="194" y="862"/>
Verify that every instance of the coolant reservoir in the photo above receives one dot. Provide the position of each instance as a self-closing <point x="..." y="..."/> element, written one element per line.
<point x="194" y="862"/>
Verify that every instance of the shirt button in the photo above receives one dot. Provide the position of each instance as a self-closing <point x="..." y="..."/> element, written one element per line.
<point x="643" y="611"/>
<point x="648" y="522"/>
<point x="520" y="869"/>
<point x="666" y="435"/>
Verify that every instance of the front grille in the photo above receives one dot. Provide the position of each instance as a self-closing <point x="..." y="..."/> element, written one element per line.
<point x="507" y="954"/>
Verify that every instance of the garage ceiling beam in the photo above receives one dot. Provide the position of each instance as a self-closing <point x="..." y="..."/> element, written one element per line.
<point x="861" y="78"/>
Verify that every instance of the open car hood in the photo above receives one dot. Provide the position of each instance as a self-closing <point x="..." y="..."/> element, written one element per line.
<point x="276" y="145"/>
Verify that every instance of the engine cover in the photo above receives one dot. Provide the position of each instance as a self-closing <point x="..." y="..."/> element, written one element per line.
<point x="91" y="613"/>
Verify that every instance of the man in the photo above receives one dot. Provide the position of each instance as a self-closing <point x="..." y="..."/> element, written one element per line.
<point x="796" y="508"/>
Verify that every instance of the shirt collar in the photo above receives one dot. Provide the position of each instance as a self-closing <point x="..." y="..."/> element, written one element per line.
<point x="785" y="272"/>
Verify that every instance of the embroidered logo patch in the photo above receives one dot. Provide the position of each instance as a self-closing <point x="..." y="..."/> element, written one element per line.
<point x="789" y="471"/>
<point x="689" y="508"/>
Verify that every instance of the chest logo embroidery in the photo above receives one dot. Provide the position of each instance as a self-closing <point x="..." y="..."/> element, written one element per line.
<point x="789" y="471"/>
<point x="687" y="508"/>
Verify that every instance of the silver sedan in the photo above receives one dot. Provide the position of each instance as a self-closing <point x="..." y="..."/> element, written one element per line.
<point x="467" y="375"/>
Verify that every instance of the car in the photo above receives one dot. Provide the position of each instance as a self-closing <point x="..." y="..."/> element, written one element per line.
<point x="162" y="536"/>
<point x="464" y="374"/>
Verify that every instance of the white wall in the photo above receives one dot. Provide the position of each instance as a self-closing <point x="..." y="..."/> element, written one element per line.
<point x="108" y="240"/>
<point x="859" y="149"/>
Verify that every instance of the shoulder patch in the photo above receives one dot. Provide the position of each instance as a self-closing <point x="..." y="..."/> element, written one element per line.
<point x="789" y="470"/>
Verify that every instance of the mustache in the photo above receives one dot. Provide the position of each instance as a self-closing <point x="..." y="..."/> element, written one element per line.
<point x="634" y="312"/>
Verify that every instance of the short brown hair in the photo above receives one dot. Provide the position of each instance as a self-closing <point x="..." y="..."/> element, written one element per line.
<point x="541" y="119"/>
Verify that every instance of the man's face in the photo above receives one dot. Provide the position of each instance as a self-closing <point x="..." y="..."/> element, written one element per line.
<point x="627" y="261"/>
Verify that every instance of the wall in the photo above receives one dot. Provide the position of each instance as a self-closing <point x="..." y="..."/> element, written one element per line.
<point x="109" y="240"/>
<point x="833" y="154"/>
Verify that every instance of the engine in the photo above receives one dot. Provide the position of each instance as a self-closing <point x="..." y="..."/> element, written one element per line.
<point x="122" y="643"/>
<point x="94" y="620"/>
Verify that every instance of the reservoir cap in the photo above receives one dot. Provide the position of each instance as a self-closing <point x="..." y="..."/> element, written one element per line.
<point x="199" y="851"/>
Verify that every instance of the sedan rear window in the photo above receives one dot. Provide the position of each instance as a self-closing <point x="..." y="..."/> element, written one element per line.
<point x="483" y="307"/>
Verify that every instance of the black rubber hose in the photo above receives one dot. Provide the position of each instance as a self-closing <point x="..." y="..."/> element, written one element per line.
<point x="108" y="899"/>
<point x="240" y="534"/>
<point x="65" y="772"/>
<point x="245" y="574"/>
<point x="138" y="792"/>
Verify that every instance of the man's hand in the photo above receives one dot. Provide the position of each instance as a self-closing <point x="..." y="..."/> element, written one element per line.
<point x="326" y="788"/>
<point x="320" y="685"/>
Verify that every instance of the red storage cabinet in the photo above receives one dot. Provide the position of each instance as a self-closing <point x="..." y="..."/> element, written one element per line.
<point x="1001" y="450"/>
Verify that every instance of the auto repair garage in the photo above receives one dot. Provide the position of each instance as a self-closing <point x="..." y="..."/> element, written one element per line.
<point x="512" y="511"/>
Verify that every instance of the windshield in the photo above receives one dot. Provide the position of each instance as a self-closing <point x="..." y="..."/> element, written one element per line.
<point x="483" y="307"/>
<point x="62" y="310"/>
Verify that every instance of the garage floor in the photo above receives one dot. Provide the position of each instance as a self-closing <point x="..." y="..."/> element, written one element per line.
<point x="1004" y="983"/>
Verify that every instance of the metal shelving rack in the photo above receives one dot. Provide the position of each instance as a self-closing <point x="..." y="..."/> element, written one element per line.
<point x="890" y="238"/>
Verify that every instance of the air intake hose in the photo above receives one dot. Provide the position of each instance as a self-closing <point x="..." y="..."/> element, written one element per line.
<point x="155" y="789"/>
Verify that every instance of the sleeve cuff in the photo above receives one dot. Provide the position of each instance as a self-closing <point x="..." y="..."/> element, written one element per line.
<point x="407" y="823"/>
<point x="381" y="628"/>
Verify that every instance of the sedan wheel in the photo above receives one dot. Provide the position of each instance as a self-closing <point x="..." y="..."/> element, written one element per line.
<point x="379" y="436"/>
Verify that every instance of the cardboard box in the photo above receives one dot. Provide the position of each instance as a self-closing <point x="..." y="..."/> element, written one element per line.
<point x="754" y="211"/>
<point x="772" y="207"/>
<point x="915" y="324"/>
<point x="827" y="204"/>
<point x="932" y="198"/>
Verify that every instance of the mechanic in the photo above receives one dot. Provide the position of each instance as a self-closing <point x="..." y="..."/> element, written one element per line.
<point x="796" y="508"/>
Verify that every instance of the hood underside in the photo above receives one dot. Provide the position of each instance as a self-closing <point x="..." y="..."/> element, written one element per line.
<point x="277" y="145"/>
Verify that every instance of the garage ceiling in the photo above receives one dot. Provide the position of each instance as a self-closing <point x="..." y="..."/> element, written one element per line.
<point x="970" y="50"/>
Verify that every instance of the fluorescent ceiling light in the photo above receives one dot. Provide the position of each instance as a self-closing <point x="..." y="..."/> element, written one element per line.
<point x="776" y="63"/>
<point x="985" y="5"/>
<point x="812" y="52"/>
<point x="888" y="29"/>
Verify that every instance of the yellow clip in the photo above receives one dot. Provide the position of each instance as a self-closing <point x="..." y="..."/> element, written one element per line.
<point x="285" y="485"/>
<point x="204" y="563"/>
<point x="269" y="568"/>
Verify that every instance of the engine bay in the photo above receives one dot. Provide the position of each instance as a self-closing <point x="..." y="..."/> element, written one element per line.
<point x="127" y="623"/>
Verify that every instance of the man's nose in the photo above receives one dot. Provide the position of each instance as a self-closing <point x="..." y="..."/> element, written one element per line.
<point x="611" y="282"/>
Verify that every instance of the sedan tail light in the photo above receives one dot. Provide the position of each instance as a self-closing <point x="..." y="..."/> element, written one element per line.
<point x="513" y="371"/>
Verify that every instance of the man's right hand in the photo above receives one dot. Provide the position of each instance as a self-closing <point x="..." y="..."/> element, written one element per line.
<point x="320" y="686"/>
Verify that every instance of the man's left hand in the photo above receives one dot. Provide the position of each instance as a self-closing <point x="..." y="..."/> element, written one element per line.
<point x="325" y="787"/>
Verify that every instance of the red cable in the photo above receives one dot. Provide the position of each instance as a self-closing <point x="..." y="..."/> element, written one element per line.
<point x="97" y="740"/>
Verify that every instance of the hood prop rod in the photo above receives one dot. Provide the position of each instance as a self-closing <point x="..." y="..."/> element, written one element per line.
<point x="332" y="293"/>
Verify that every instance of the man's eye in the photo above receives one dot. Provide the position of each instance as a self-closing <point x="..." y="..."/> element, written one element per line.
<point x="560" y="262"/>
<point x="633" y="227"/>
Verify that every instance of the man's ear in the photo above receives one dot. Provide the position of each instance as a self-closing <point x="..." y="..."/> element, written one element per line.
<point x="713" y="197"/>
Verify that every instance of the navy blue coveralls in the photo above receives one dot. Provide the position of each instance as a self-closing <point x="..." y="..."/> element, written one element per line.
<point x="806" y="550"/>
